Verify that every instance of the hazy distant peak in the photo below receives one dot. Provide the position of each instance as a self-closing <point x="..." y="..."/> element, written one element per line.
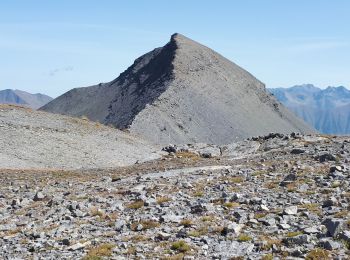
<point x="19" y="97"/>
<point x="328" y="110"/>
<point x="308" y="87"/>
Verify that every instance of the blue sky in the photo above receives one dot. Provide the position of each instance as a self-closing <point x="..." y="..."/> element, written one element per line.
<point x="53" y="46"/>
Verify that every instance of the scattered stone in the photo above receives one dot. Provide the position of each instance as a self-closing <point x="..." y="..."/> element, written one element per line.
<point x="163" y="236"/>
<point x="39" y="196"/>
<point x="291" y="210"/>
<point x="289" y="179"/>
<point x="264" y="208"/>
<point x="311" y="230"/>
<point x="197" y="209"/>
<point x="330" y="202"/>
<point x="345" y="235"/>
<point x="235" y="228"/>
<point x="297" y="240"/>
<point x="65" y="242"/>
<point x="334" y="226"/>
<point x="228" y="249"/>
<point x="326" y="157"/>
<point x="171" y="218"/>
<point x="329" y="244"/>
<point x="297" y="151"/>
<point x="284" y="226"/>
<point x="79" y="246"/>
<point x="230" y="204"/>
<point x="335" y="168"/>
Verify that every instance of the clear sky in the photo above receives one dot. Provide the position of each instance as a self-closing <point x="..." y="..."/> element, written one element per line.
<point x="53" y="46"/>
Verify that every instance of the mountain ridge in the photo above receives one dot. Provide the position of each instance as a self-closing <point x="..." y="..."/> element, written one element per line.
<point x="328" y="110"/>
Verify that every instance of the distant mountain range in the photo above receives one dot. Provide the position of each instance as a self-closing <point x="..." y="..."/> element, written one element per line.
<point x="327" y="110"/>
<point x="18" y="97"/>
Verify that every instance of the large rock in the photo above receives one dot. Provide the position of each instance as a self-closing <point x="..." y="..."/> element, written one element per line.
<point x="334" y="226"/>
<point x="291" y="210"/>
<point x="228" y="249"/>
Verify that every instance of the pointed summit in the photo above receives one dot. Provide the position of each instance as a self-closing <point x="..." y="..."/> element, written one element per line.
<point x="183" y="92"/>
<point x="177" y="37"/>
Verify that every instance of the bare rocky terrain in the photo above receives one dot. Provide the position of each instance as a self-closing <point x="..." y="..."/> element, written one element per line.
<point x="182" y="93"/>
<point x="72" y="188"/>
<point x="271" y="197"/>
<point x="32" y="139"/>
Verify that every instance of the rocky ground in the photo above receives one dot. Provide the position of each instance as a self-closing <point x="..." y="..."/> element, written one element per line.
<point x="273" y="197"/>
<point x="36" y="139"/>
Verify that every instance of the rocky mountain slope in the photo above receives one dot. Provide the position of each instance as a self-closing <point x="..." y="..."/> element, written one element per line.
<point x="36" y="139"/>
<point x="18" y="97"/>
<point x="327" y="110"/>
<point x="198" y="202"/>
<point x="181" y="93"/>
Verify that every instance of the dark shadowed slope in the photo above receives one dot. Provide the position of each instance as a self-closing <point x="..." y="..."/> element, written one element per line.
<point x="183" y="92"/>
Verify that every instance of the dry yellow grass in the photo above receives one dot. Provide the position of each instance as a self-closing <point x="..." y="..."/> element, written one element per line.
<point x="188" y="155"/>
<point x="269" y="242"/>
<point x="146" y="224"/>
<point x="294" y="234"/>
<point x="103" y="250"/>
<point x="135" y="205"/>
<point x="237" y="179"/>
<point x="231" y="204"/>
<point x="202" y="231"/>
<point x="186" y="222"/>
<point x="161" y="200"/>
<point x="318" y="254"/>
<point x="244" y="238"/>
<point x="180" y="246"/>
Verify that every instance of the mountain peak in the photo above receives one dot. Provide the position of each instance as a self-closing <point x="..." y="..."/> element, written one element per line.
<point x="181" y="41"/>
<point x="178" y="37"/>
<point x="182" y="93"/>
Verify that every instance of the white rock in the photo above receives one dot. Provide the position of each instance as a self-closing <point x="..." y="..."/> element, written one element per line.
<point x="291" y="210"/>
<point x="79" y="246"/>
<point x="264" y="207"/>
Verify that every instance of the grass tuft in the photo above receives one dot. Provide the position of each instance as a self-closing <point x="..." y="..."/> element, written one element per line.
<point x="317" y="254"/>
<point x="161" y="200"/>
<point x="180" y="246"/>
<point x="186" y="222"/>
<point x="294" y="234"/>
<point x="95" y="253"/>
<point x="136" y="204"/>
<point x="244" y="238"/>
